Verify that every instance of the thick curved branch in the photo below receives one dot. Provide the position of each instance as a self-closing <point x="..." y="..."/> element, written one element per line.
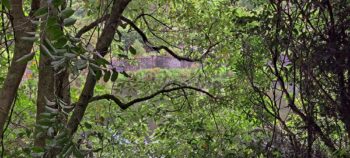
<point x="91" y="25"/>
<point x="167" y="49"/>
<point x="137" y="100"/>
<point x="144" y="38"/>
<point x="152" y="30"/>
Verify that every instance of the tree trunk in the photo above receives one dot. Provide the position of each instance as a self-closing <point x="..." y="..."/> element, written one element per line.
<point x="21" y="24"/>
<point x="103" y="43"/>
<point x="50" y="84"/>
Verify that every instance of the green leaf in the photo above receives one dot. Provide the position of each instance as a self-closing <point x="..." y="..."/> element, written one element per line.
<point x="69" y="21"/>
<point x="58" y="64"/>
<point x="107" y="76"/>
<point x="46" y="121"/>
<point x="36" y="22"/>
<point x="102" y="62"/>
<point x="31" y="33"/>
<point x="66" y="106"/>
<point x="92" y="71"/>
<point x="66" y="146"/>
<point x="47" y="114"/>
<point x="82" y="56"/>
<point x="39" y="135"/>
<point x="55" y="32"/>
<point x="77" y="153"/>
<point x="68" y="152"/>
<point x="49" y="46"/>
<point x="61" y="51"/>
<point x="41" y="154"/>
<point x="94" y="66"/>
<point x="37" y="149"/>
<point x="52" y="21"/>
<point x="41" y="127"/>
<point x="66" y="13"/>
<point x="74" y="40"/>
<point x="29" y="39"/>
<point x="98" y="74"/>
<point x="121" y="48"/>
<point x="49" y="103"/>
<point x="60" y="43"/>
<point x="46" y="51"/>
<point x="70" y="55"/>
<point x="114" y="76"/>
<point x="40" y="12"/>
<point x="87" y="125"/>
<point x="62" y="135"/>
<point x="26" y="58"/>
<point x="57" y="3"/>
<point x="28" y="132"/>
<point x="132" y="50"/>
<point x="125" y="74"/>
<point x="6" y="3"/>
<point x="123" y="56"/>
<point x="49" y="109"/>
<point x="81" y="64"/>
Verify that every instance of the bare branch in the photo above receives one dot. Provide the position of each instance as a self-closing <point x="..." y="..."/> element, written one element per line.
<point x="144" y="38"/>
<point x="154" y="18"/>
<point x="162" y="47"/>
<point x="91" y="26"/>
<point x="137" y="100"/>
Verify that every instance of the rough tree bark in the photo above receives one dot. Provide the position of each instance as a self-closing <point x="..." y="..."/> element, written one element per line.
<point x="21" y="24"/>
<point x="103" y="43"/>
<point x="50" y="84"/>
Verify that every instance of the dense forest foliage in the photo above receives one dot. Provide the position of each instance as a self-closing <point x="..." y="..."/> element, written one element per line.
<point x="175" y="78"/>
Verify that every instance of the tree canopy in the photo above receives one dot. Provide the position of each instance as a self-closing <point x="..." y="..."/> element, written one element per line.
<point x="175" y="78"/>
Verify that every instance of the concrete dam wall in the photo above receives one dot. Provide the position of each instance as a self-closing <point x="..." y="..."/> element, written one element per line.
<point x="150" y="62"/>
